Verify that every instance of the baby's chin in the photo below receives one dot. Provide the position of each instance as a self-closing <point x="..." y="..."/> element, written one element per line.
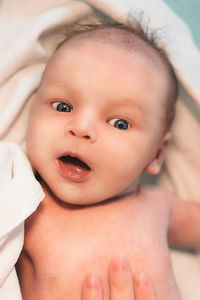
<point x="62" y="198"/>
<point x="81" y="194"/>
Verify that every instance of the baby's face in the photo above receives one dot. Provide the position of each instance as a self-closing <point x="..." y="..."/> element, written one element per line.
<point x="96" y="121"/>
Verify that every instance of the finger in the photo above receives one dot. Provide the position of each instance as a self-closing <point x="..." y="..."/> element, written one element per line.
<point x="144" y="288"/>
<point x="120" y="280"/>
<point x="92" y="287"/>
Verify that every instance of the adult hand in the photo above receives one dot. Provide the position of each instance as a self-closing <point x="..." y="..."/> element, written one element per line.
<point x="123" y="285"/>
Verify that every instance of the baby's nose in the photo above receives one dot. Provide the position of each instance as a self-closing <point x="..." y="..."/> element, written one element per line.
<point x="81" y="130"/>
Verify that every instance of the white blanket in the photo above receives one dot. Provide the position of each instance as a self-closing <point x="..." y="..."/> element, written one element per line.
<point x="20" y="194"/>
<point x="29" y="31"/>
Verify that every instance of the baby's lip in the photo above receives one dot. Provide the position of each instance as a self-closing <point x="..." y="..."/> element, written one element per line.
<point x="74" y="156"/>
<point x="73" y="167"/>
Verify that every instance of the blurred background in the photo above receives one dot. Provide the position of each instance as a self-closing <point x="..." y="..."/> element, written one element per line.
<point x="189" y="11"/>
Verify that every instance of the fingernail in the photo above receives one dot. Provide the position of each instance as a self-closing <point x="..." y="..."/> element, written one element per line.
<point x="92" y="281"/>
<point x="119" y="263"/>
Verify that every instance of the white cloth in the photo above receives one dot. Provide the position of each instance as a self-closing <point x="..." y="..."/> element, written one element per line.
<point x="20" y="194"/>
<point x="29" y="33"/>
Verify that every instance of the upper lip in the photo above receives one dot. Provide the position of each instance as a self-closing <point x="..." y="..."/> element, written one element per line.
<point x="72" y="154"/>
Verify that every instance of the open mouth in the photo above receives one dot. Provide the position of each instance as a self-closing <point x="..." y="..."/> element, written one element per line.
<point x="73" y="167"/>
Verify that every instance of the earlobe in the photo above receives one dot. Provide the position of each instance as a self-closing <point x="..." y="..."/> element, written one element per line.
<point x="155" y="165"/>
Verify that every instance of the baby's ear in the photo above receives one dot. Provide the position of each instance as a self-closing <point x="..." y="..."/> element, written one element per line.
<point x="155" y="165"/>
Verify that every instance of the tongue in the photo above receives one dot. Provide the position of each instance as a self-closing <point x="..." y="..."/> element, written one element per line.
<point x="74" y="166"/>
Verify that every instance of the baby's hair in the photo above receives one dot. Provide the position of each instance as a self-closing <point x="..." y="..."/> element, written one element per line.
<point x="128" y="36"/>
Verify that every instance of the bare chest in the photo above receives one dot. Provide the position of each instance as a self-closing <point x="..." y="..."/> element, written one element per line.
<point x="64" y="247"/>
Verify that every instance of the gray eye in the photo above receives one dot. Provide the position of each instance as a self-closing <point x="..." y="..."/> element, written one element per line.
<point x="120" y="124"/>
<point x="62" y="106"/>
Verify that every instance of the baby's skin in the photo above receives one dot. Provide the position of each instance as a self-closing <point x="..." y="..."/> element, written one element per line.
<point x="65" y="242"/>
<point x="97" y="122"/>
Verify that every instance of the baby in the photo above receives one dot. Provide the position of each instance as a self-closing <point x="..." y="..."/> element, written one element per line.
<point x="101" y="117"/>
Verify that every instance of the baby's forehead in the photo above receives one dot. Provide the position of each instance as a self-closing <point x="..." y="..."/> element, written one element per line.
<point x="119" y="39"/>
<point x="81" y="55"/>
<point x="119" y="52"/>
<point x="114" y="41"/>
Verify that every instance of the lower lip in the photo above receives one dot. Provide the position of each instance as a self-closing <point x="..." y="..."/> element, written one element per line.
<point x="73" y="175"/>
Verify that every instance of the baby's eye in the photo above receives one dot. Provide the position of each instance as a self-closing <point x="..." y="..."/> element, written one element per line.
<point x="120" y="124"/>
<point x="62" y="106"/>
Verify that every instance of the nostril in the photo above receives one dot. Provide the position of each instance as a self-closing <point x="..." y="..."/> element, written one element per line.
<point x="72" y="132"/>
